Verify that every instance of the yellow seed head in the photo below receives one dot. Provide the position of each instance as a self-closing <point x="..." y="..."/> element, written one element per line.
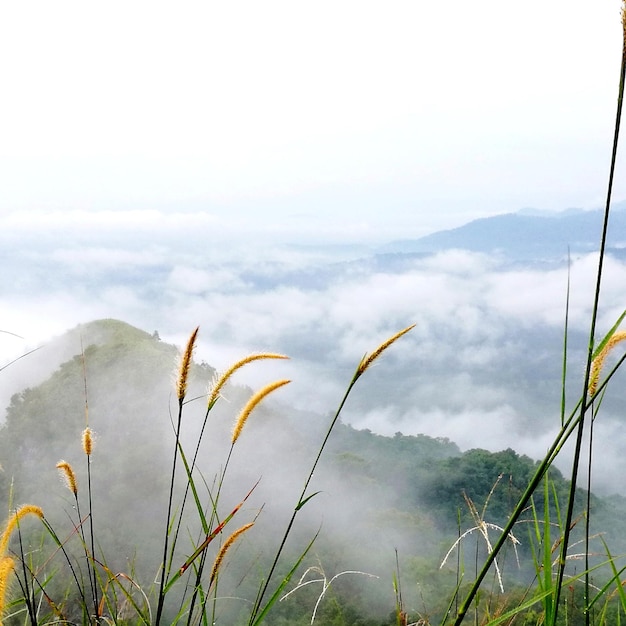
<point x="227" y="544"/>
<point x="366" y="361"/>
<point x="185" y="364"/>
<point x="223" y="379"/>
<point x="251" y="404"/>
<point x="88" y="441"/>
<point x="66" y="471"/>
<point x="14" y="520"/>
<point x="7" y="565"/>
<point x="598" y="362"/>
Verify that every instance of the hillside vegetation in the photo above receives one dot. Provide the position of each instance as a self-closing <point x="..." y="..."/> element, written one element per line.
<point x="388" y="506"/>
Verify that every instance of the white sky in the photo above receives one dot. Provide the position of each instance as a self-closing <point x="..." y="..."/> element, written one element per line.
<point x="350" y="119"/>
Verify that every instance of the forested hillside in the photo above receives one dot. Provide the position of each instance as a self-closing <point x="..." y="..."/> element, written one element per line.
<point x="380" y="498"/>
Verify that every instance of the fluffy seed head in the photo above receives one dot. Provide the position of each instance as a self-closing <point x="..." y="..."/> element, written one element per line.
<point x="366" y="361"/>
<point x="185" y="364"/>
<point x="251" y="404"/>
<point x="7" y="565"/>
<point x="88" y="441"/>
<point x="68" y="475"/>
<point x="14" y="520"/>
<point x="223" y="379"/>
<point x="598" y="362"/>
<point x="227" y="544"/>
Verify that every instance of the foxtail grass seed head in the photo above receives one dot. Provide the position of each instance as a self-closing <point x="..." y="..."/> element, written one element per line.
<point x="14" y="520"/>
<point x="185" y="364"/>
<point x="598" y="362"/>
<point x="88" y="441"/>
<point x="251" y="404"/>
<point x="222" y="552"/>
<point x="68" y="475"/>
<point x="223" y="379"/>
<point x="7" y="565"/>
<point x="366" y="361"/>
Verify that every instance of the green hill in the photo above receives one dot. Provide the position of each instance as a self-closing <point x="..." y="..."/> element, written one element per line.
<point x="378" y="495"/>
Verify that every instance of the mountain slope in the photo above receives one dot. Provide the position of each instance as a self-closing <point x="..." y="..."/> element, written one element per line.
<point x="377" y="494"/>
<point x="523" y="236"/>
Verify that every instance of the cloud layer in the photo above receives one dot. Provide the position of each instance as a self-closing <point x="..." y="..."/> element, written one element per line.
<point x="482" y="366"/>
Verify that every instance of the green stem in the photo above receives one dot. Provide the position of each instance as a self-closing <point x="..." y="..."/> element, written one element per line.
<point x="91" y="566"/>
<point x="165" y="570"/>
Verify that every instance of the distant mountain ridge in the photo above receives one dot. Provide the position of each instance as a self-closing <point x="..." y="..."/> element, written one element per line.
<point x="529" y="237"/>
<point x="525" y="235"/>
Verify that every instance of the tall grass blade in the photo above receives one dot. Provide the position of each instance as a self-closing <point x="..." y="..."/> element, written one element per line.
<point x="203" y="546"/>
<point x="509" y="615"/>
<point x="191" y="484"/>
<point x="261" y="613"/>
<point x="608" y="336"/>
<point x="614" y="579"/>
<point x="547" y="583"/>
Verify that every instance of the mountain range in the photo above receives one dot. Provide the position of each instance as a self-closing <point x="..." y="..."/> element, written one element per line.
<point x="526" y="235"/>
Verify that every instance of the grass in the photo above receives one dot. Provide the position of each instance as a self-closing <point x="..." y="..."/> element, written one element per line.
<point x="550" y="588"/>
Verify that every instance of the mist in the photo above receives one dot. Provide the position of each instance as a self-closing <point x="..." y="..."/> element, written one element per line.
<point x="486" y="349"/>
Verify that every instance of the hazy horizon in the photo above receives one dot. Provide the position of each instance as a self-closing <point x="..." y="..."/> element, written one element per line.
<point x="351" y="122"/>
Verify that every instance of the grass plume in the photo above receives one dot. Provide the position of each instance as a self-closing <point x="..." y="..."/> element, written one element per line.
<point x="223" y="379"/>
<point x="14" y="521"/>
<point x="7" y="565"/>
<point x="598" y="362"/>
<point x="251" y="405"/>
<point x="185" y="364"/>
<point x="69" y="476"/>
<point x="87" y="441"/>
<point x="224" y="549"/>
<point x="366" y="361"/>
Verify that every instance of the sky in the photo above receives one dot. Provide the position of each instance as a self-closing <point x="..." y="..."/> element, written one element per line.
<point x="349" y="121"/>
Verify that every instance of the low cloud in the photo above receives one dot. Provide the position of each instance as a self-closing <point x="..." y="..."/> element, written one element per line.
<point x="482" y="365"/>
